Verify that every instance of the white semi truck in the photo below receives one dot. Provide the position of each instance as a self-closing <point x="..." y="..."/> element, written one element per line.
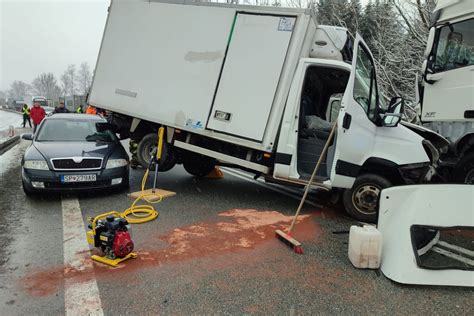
<point x="447" y="90"/>
<point x="254" y="88"/>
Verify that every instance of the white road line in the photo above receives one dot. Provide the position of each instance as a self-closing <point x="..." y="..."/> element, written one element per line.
<point x="461" y="250"/>
<point x="288" y="193"/>
<point x="453" y="256"/>
<point x="80" y="298"/>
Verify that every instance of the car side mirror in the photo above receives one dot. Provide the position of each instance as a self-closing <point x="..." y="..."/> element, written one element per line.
<point x="391" y="119"/>
<point x="27" y="136"/>
<point x="396" y="105"/>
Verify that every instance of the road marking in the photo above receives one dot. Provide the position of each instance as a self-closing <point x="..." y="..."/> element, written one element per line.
<point x="286" y="192"/>
<point x="458" y="249"/>
<point x="80" y="298"/>
<point x="453" y="256"/>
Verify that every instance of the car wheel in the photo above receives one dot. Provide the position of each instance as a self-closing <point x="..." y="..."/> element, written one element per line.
<point x="147" y="146"/>
<point x="361" y="202"/>
<point x="198" y="165"/>
<point x="464" y="170"/>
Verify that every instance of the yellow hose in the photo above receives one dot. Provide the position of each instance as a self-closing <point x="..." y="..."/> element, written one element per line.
<point x="142" y="213"/>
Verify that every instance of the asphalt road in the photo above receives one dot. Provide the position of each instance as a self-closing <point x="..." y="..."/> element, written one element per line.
<point x="212" y="250"/>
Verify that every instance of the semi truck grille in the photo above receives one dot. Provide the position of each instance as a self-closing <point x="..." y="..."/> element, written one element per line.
<point x="70" y="164"/>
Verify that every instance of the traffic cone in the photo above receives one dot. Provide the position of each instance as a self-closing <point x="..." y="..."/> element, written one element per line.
<point x="216" y="173"/>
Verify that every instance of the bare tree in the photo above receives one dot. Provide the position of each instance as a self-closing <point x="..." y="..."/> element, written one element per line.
<point x="68" y="80"/>
<point x="84" y="78"/>
<point x="19" y="89"/>
<point x="46" y="85"/>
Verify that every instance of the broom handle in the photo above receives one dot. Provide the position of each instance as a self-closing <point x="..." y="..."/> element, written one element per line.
<point x="316" y="168"/>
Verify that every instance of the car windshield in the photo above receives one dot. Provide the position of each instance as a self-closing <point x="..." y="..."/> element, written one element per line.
<point x="73" y="131"/>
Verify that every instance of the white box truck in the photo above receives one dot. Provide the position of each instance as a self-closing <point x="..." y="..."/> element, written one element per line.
<point x="447" y="90"/>
<point x="256" y="88"/>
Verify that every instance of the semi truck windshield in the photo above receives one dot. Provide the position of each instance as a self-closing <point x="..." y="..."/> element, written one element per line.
<point x="455" y="46"/>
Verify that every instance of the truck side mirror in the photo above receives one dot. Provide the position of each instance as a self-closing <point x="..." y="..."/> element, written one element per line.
<point x="396" y="105"/>
<point x="391" y="119"/>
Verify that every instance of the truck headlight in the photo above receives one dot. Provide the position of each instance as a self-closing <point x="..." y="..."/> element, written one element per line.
<point x="116" y="163"/>
<point x="36" y="164"/>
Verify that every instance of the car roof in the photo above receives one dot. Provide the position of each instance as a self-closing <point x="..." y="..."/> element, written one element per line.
<point x="75" y="116"/>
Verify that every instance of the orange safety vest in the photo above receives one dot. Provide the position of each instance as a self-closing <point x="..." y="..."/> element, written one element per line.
<point x="91" y="110"/>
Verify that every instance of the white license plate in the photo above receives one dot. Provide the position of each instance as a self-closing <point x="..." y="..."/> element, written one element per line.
<point x="78" y="178"/>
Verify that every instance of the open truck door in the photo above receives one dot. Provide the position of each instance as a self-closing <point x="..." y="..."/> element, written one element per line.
<point x="356" y="130"/>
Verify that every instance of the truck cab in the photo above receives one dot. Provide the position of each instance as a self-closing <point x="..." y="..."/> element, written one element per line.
<point x="447" y="90"/>
<point x="371" y="151"/>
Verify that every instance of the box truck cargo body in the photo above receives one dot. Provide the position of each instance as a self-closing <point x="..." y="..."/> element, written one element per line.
<point x="256" y="88"/>
<point x="208" y="69"/>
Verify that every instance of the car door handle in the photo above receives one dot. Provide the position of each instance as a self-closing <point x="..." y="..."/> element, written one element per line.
<point x="346" y="122"/>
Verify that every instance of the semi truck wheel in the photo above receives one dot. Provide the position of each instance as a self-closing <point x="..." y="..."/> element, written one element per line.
<point x="147" y="146"/>
<point x="198" y="165"/>
<point x="464" y="170"/>
<point x="361" y="202"/>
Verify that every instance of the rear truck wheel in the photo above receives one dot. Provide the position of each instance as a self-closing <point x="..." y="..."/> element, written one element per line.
<point x="147" y="146"/>
<point x="464" y="170"/>
<point x="361" y="202"/>
<point x="198" y="165"/>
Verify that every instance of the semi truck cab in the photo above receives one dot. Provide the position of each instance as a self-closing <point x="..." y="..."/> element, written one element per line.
<point x="447" y="90"/>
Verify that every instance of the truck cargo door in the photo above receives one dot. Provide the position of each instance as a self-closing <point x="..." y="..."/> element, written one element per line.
<point x="250" y="75"/>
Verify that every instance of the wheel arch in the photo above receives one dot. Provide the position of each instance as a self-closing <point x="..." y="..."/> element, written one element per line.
<point x="465" y="145"/>
<point x="382" y="167"/>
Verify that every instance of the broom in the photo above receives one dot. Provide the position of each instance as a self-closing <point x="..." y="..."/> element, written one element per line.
<point x="286" y="237"/>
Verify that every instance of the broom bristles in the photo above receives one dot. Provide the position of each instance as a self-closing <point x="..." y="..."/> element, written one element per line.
<point x="289" y="241"/>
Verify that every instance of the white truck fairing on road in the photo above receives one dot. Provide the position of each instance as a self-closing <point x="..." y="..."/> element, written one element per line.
<point x="447" y="91"/>
<point x="407" y="211"/>
<point x="254" y="88"/>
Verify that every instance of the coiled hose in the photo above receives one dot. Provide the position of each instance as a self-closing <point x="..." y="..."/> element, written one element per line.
<point x="142" y="213"/>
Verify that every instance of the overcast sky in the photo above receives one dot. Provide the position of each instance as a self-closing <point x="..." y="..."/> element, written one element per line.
<point x="47" y="35"/>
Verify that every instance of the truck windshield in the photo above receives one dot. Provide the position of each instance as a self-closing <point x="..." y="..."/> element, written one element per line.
<point x="43" y="103"/>
<point x="455" y="46"/>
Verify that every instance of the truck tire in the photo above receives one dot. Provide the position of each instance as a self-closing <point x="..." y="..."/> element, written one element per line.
<point x="198" y="165"/>
<point x="361" y="202"/>
<point x="145" y="148"/>
<point x="464" y="170"/>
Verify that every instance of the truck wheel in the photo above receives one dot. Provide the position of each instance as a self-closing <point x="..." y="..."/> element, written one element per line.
<point x="464" y="170"/>
<point x="361" y="202"/>
<point x="145" y="149"/>
<point x="198" y="165"/>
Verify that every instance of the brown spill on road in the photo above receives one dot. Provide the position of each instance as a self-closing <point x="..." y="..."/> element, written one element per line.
<point x="240" y="230"/>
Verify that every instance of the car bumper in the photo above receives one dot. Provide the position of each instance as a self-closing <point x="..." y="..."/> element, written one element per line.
<point x="51" y="180"/>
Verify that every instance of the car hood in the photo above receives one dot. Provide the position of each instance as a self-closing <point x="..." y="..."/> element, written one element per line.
<point x="74" y="149"/>
<point x="436" y="139"/>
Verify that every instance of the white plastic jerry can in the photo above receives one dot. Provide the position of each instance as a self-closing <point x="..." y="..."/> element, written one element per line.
<point x="365" y="247"/>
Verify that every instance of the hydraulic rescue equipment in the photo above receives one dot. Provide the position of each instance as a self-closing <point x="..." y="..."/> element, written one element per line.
<point x="111" y="233"/>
